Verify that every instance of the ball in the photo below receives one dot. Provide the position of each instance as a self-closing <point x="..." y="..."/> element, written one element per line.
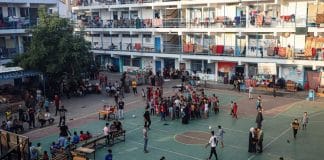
<point x="209" y="127"/>
<point x="134" y="116"/>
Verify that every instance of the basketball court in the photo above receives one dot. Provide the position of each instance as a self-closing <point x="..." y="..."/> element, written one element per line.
<point x="176" y="141"/>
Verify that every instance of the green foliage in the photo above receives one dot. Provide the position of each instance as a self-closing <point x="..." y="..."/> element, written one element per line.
<point x="55" y="50"/>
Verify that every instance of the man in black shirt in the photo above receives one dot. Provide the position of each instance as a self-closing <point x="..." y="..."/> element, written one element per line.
<point x="64" y="131"/>
<point x="121" y="109"/>
<point x="147" y="118"/>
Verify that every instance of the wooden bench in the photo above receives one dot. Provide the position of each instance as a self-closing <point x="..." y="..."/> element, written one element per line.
<point x="107" y="113"/>
<point x="117" y="136"/>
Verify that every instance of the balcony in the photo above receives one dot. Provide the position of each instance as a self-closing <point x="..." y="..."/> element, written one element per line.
<point x="281" y="24"/>
<point x="217" y="50"/>
<point x="117" y="2"/>
<point x="13" y="23"/>
<point x="8" y="53"/>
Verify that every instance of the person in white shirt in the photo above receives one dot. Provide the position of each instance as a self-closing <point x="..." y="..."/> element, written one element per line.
<point x="145" y="136"/>
<point x="106" y="129"/>
<point x="212" y="142"/>
<point x="206" y="109"/>
<point x="250" y="92"/>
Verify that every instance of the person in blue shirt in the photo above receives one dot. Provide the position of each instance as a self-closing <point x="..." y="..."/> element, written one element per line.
<point x="109" y="155"/>
<point x="76" y="138"/>
<point x="46" y="105"/>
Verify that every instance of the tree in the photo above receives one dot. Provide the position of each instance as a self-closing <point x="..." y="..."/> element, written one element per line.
<point x="55" y="50"/>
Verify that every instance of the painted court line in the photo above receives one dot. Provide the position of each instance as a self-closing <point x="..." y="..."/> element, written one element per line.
<point x="165" y="150"/>
<point x="283" y="133"/>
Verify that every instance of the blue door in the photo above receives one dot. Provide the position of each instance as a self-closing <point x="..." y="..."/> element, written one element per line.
<point x="158" y="66"/>
<point x="115" y="62"/>
<point x="157" y="44"/>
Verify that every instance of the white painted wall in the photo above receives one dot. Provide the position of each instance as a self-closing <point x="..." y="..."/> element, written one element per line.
<point x="147" y="63"/>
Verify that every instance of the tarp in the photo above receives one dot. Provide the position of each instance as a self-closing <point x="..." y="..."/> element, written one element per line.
<point x="17" y="74"/>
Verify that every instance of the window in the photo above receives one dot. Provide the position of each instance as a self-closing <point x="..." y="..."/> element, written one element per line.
<point x="147" y="35"/>
<point x="126" y="60"/>
<point x="11" y="11"/>
<point x="136" y="62"/>
<point x="24" y="12"/>
<point x="95" y="35"/>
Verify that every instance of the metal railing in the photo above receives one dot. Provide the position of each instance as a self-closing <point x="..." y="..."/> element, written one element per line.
<point x="17" y="23"/>
<point x="210" y="50"/>
<point x="117" y="2"/>
<point x="195" y="23"/>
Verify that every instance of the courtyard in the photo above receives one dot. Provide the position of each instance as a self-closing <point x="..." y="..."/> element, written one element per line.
<point x="176" y="141"/>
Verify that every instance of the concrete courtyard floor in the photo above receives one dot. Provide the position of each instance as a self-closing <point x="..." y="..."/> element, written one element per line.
<point x="278" y="114"/>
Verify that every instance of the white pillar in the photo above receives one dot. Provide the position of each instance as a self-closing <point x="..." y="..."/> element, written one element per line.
<point x="216" y="71"/>
<point x="280" y="71"/>
<point x="177" y="64"/>
<point x="247" y="16"/>
<point x="20" y="44"/>
<point x="246" y="70"/>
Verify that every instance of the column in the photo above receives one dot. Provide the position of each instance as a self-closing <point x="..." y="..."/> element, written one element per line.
<point x="216" y="71"/>
<point x="247" y="16"/>
<point x="20" y="45"/>
<point x="246" y="70"/>
<point x="246" y="44"/>
<point x="280" y="71"/>
<point x="177" y="64"/>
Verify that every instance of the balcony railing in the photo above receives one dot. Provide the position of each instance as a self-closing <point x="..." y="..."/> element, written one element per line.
<point x="7" y="53"/>
<point x="213" y="50"/>
<point x="116" y="2"/>
<point x="17" y="23"/>
<point x="219" y="22"/>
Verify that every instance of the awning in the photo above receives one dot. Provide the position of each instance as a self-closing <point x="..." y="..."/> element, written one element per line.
<point x="7" y="73"/>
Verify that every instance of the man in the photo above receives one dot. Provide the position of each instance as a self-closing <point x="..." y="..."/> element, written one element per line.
<point x="121" y="109"/>
<point x="31" y="115"/>
<point x="295" y="127"/>
<point x="212" y="142"/>
<point x="75" y="138"/>
<point x="221" y="135"/>
<point x="106" y="131"/>
<point x="134" y="86"/>
<point x="62" y="116"/>
<point x="260" y="140"/>
<point x="259" y="119"/>
<point x="57" y="104"/>
<point x="64" y="131"/>
<point x="109" y="155"/>
<point x="147" y="118"/>
<point x="145" y="135"/>
<point x="305" y="120"/>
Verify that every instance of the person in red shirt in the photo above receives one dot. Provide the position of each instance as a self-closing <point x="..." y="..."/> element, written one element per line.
<point x="235" y="110"/>
<point x="83" y="136"/>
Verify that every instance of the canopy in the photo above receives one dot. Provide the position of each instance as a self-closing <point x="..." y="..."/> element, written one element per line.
<point x="7" y="73"/>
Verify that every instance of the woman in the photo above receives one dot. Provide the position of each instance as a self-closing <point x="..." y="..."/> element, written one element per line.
<point x="251" y="137"/>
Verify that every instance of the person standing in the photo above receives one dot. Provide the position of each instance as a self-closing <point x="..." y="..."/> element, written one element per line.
<point x="252" y="146"/>
<point x="109" y="156"/>
<point x="259" y="119"/>
<point x="62" y="112"/>
<point x="305" y="120"/>
<point x="57" y="104"/>
<point x="121" y="104"/>
<point x="143" y="94"/>
<point x="295" y="127"/>
<point x="250" y="92"/>
<point x="259" y="103"/>
<point x="106" y="131"/>
<point x="260" y="140"/>
<point x="212" y="142"/>
<point x="64" y="131"/>
<point x="221" y="135"/>
<point x="235" y="107"/>
<point x="147" y="118"/>
<point x="31" y="115"/>
<point x="134" y="86"/>
<point x="145" y="135"/>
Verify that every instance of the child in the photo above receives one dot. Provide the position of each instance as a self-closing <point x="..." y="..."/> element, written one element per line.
<point x="305" y="120"/>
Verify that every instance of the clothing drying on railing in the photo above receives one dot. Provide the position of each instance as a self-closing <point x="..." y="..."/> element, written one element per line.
<point x="157" y="22"/>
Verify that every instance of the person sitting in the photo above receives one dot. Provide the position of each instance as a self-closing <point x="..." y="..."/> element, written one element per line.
<point x="76" y="138"/>
<point x="113" y="127"/>
<point x="88" y="135"/>
<point x="4" y="125"/>
<point x="9" y="125"/>
<point x="118" y="126"/>
<point x="41" y="118"/>
<point x="17" y="125"/>
<point x="83" y="136"/>
<point x="54" y="148"/>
